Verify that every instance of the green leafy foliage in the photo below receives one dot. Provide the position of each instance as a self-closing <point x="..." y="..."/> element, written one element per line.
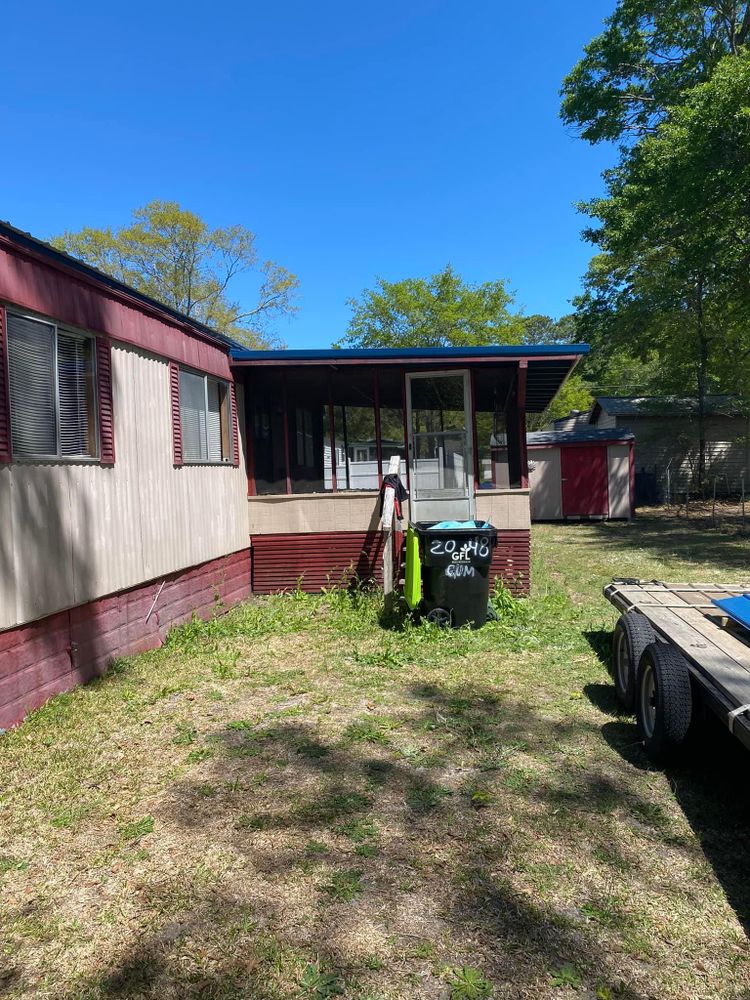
<point x="137" y="829"/>
<point x="648" y="58"/>
<point x="172" y="255"/>
<point x="467" y="983"/>
<point x="346" y="885"/>
<point x="566" y="975"/>
<point x="440" y="311"/>
<point x="318" y="985"/>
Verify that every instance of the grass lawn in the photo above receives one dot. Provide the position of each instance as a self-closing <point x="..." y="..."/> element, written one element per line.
<point x="298" y="801"/>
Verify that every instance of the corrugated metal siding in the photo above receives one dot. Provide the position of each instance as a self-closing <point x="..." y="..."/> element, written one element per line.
<point x="511" y="561"/>
<point x="75" y="532"/>
<point x="325" y="559"/>
<point x="321" y="559"/>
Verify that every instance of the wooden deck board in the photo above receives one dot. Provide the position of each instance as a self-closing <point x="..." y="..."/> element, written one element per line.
<point x="719" y="655"/>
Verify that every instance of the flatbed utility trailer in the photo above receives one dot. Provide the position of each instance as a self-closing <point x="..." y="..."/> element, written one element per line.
<point x="675" y="651"/>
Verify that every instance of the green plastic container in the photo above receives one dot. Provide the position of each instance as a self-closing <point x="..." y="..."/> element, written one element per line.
<point x="413" y="582"/>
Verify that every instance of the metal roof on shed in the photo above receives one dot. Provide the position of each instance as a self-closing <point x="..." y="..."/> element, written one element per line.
<point x="581" y="435"/>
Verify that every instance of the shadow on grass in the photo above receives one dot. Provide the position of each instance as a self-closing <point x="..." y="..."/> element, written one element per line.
<point x="434" y="849"/>
<point x="711" y="787"/>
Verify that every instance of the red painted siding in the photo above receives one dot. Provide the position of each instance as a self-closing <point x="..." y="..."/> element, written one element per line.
<point x="104" y="392"/>
<point x="57" y="653"/>
<point x="511" y="560"/>
<point x="45" y="287"/>
<point x="6" y="448"/>
<point x="174" y="391"/>
<point x="321" y="559"/>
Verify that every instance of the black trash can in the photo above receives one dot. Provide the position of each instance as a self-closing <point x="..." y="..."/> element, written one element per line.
<point x="456" y="571"/>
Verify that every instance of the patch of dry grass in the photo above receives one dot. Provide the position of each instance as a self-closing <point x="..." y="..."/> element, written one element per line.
<point x="299" y="801"/>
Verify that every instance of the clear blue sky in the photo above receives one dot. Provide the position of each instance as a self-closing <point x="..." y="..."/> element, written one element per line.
<point x="356" y="140"/>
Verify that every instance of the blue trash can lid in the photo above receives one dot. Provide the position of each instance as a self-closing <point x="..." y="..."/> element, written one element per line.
<point x="463" y="525"/>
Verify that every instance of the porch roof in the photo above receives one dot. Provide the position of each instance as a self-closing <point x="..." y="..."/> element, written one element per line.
<point x="548" y="365"/>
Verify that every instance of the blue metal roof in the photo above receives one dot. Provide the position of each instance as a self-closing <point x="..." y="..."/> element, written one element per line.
<point x="409" y="354"/>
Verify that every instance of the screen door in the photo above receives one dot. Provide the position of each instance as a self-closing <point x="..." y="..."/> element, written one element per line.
<point x="441" y="465"/>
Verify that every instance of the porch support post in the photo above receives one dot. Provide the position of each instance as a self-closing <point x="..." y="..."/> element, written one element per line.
<point x="523" y="367"/>
<point x="406" y="430"/>
<point x="287" y="460"/>
<point x="378" y="437"/>
<point x="331" y="436"/>
<point x="474" y="436"/>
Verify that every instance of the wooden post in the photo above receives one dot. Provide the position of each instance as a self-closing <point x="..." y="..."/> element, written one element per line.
<point x="394" y="466"/>
<point x="521" y="397"/>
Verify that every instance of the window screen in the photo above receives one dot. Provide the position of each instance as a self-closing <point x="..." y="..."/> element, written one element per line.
<point x="75" y="379"/>
<point x="206" y="426"/>
<point x="52" y="391"/>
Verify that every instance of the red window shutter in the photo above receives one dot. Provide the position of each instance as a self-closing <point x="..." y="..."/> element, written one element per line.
<point x="104" y="394"/>
<point x="235" y="425"/>
<point x="6" y="446"/>
<point x="174" y="391"/>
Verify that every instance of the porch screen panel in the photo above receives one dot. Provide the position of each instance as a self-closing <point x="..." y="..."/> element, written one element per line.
<point x="193" y="414"/>
<point x="353" y="392"/>
<point x="75" y="379"/>
<point x="391" y="386"/>
<point x="32" y="376"/>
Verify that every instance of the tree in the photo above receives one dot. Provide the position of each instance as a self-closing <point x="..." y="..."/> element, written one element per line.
<point x="674" y="236"/>
<point x="540" y="329"/>
<point x="646" y="61"/>
<point x="173" y="256"/>
<point x="441" y="311"/>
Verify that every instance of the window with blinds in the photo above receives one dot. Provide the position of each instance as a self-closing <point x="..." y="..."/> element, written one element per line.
<point x="52" y="390"/>
<point x="205" y="419"/>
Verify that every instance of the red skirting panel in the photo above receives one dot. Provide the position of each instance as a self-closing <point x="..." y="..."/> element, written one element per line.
<point x="57" y="653"/>
<point x="325" y="559"/>
<point x="321" y="559"/>
<point x="511" y="560"/>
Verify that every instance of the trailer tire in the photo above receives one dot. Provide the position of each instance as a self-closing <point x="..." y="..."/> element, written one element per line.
<point x="664" y="701"/>
<point x="633" y="632"/>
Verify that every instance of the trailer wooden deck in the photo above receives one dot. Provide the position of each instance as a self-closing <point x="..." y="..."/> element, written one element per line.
<point x="717" y="651"/>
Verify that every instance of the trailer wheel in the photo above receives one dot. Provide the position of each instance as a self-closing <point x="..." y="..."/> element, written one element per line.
<point x="633" y="632"/>
<point x="664" y="701"/>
